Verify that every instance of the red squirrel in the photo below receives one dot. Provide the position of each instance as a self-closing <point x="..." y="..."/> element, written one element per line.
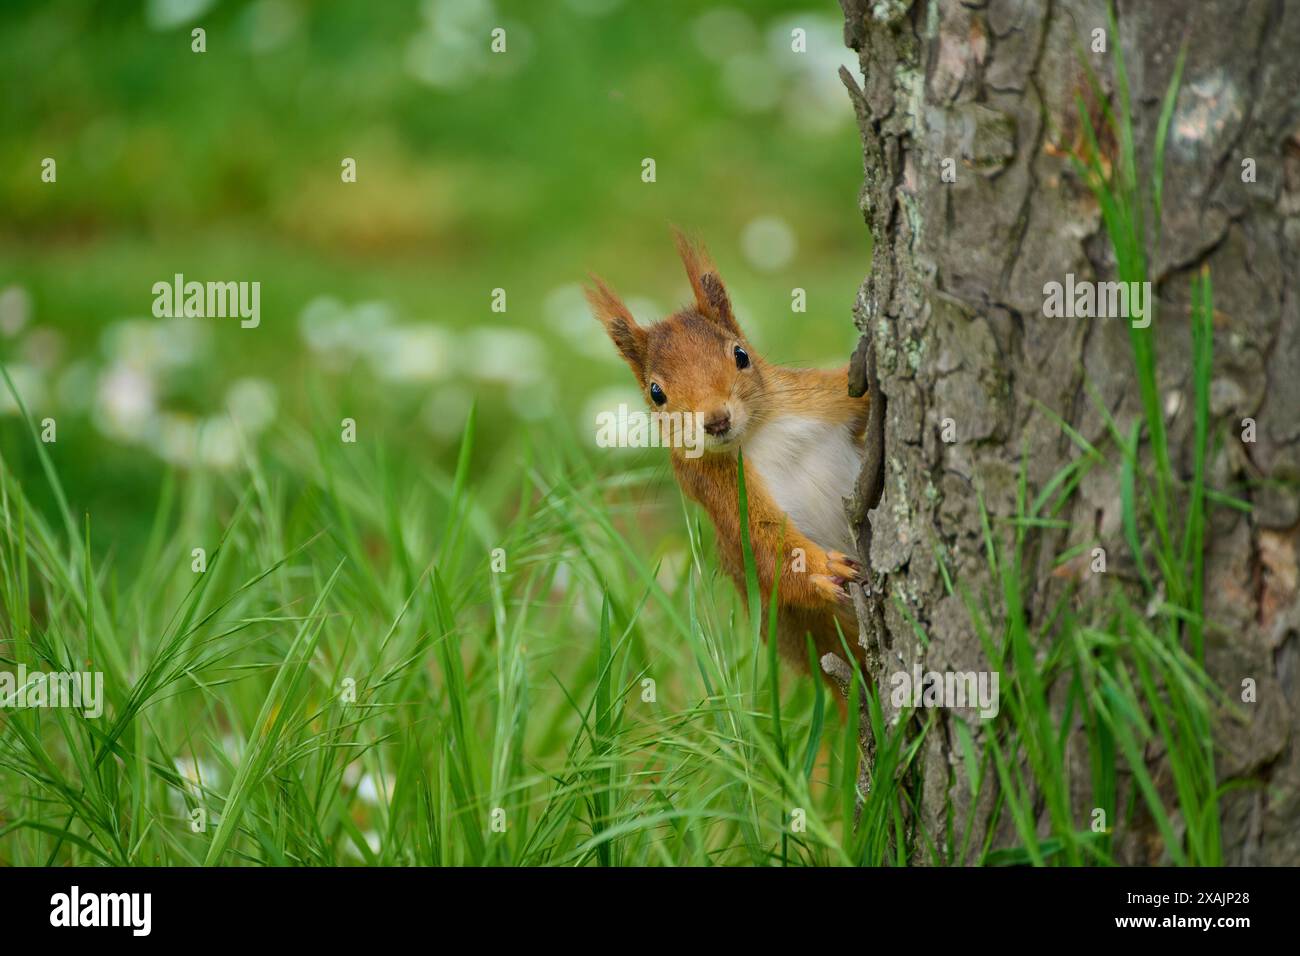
<point x="802" y="438"/>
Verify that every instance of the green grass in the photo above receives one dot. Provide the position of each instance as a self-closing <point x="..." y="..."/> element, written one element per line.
<point x="521" y="697"/>
<point x="521" y="692"/>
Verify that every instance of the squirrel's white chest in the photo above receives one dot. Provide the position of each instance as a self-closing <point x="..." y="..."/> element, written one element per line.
<point x="808" y="467"/>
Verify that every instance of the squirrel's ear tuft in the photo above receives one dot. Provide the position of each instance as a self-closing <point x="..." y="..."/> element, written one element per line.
<point x="628" y="337"/>
<point x="710" y="294"/>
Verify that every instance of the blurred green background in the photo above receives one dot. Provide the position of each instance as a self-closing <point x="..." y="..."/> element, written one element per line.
<point x="475" y="171"/>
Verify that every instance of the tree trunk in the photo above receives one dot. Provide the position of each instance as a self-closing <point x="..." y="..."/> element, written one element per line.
<point x="954" y="311"/>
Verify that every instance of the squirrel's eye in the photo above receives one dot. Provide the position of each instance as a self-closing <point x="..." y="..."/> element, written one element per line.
<point x="742" y="358"/>
<point x="657" y="393"/>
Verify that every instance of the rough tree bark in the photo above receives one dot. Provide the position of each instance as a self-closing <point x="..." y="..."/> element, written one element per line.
<point x="953" y="308"/>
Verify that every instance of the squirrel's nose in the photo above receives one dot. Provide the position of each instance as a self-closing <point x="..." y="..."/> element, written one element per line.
<point x="717" y="423"/>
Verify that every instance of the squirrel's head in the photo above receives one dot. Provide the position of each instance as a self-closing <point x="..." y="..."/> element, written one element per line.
<point x="697" y="360"/>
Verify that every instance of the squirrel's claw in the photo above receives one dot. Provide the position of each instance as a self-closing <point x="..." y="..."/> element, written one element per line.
<point x="841" y="565"/>
<point x="832" y="586"/>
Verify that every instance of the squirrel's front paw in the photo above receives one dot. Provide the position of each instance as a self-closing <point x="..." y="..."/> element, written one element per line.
<point x="841" y="565"/>
<point x="833" y="585"/>
<point x="828" y="576"/>
<point x="832" y="588"/>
